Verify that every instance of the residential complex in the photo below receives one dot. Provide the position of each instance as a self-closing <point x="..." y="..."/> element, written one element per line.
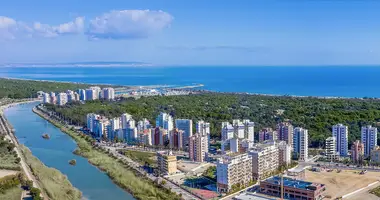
<point x="369" y="139"/>
<point x="203" y="128"/>
<point x="292" y="189"/>
<point x="285" y="132"/>
<point x="300" y="143"/>
<point x="357" y="152"/>
<point x="331" y="151"/>
<point x="267" y="134"/>
<point x="185" y="125"/>
<point x="284" y="153"/>
<point x="198" y="146"/>
<point x="166" y="162"/>
<point x="233" y="134"/>
<point x="91" y="93"/>
<point x="165" y="121"/>
<point x="340" y="132"/>
<point x="233" y="170"/>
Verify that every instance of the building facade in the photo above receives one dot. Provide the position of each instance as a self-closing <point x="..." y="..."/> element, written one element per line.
<point x="185" y="125"/>
<point x="357" y="152"/>
<point x="340" y="132"/>
<point x="166" y="163"/>
<point x="62" y="99"/>
<point x="265" y="159"/>
<point x="284" y="153"/>
<point x="198" y="148"/>
<point x="233" y="170"/>
<point x="165" y="121"/>
<point x="285" y="132"/>
<point x="266" y="134"/>
<point x="369" y="139"/>
<point x="300" y="143"/>
<point x="331" y="150"/>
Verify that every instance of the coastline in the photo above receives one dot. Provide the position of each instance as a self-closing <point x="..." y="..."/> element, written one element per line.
<point x="115" y="173"/>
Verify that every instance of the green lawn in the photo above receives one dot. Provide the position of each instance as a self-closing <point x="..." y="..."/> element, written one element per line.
<point x="12" y="194"/>
<point x="8" y="157"/>
<point x="141" y="157"/>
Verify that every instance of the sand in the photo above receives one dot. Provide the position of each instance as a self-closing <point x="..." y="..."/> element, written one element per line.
<point x="6" y="172"/>
<point x="339" y="184"/>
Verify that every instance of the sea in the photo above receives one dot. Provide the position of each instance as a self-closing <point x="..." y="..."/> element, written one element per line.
<point x="326" y="81"/>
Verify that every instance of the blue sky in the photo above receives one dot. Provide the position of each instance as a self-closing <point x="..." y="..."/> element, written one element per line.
<point x="196" y="32"/>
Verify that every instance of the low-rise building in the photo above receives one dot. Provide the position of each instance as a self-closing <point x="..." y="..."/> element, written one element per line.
<point x="233" y="170"/>
<point x="292" y="188"/>
<point x="166" y="162"/>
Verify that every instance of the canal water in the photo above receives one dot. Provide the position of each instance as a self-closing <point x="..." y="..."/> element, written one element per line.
<point x="57" y="151"/>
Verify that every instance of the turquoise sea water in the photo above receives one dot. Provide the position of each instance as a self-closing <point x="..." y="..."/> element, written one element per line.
<point x="345" y="81"/>
<point x="57" y="151"/>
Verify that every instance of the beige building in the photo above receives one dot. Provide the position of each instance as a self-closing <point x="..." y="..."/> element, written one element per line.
<point x="284" y="153"/>
<point x="166" y="162"/>
<point x="233" y="170"/>
<point x="198" y="147"/>
<point x="265" y="159"/>
<point x="331" y="153"/>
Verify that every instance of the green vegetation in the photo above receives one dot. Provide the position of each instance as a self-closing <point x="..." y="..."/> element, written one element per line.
<point x="11" y="194"/>
<point x="53" y="182"/>
<point x="8" y="156"/>
<point x="127" y="178"/>
<point x="375" y="191"/>
<point x="36" y="193"/>
<point x="73" y="162"/>
<point x="8" y="182"/>
<point x="317" y="115"/>
<point x="15" y="88"/>
<point x="210" y="173"/>
<point x="144" y="158"/>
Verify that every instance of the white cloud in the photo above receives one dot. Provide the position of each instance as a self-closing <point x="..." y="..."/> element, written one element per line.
<point x="128" y="24"/>
<point x="11" y="29"/>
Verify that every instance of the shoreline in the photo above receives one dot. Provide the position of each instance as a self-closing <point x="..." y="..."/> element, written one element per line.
<point x="83" y="147"/>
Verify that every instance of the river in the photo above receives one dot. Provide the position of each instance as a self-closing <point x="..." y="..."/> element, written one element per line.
<point x="57" y="151"/>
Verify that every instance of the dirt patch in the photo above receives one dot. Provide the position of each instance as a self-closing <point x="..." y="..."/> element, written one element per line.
<point x="339" y="184"/>
<point x="7" y="172"/>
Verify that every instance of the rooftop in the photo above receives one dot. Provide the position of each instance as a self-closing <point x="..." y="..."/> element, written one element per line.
<point x="288" y="182"/>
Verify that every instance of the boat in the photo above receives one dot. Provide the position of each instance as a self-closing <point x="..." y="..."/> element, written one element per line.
<point x="46" y="136"/>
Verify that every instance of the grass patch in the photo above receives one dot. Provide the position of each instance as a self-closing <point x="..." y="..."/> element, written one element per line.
<point x="375" y="191"/>
<point x="141" y="157"/>
<point x="139" y="186"/>
<point x="12" y="194"/>
<point x="54" y="183"/>
<point x="8" y="156"/>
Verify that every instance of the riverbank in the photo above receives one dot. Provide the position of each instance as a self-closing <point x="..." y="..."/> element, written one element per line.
<point x="53" y="182"/>
<point x="124" y="176"/>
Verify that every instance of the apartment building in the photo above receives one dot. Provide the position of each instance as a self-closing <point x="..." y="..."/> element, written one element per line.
<point x="357" y="152"/>
<point x="331" y="150"/>
<point x="265" y="159"/>
<point x="108" y="93"/>
<point x="300" y="143"/>
<point x="284" y="153"/>
<point x="285" y="132"/>
<point x="266" y="134"/>
<point x="369" y="139"/>
<point x="62" y="99"/>
<point x="232" y="170"/>
<point x="165" y="121"/>
<point x="198" y="147"/>
<point x="166" y="162"/>
<point x="185" y="125"/>
<point x="340" y="132"/>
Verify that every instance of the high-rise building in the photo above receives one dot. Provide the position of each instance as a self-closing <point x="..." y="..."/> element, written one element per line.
<point x="198" y="147"/>
<point x="165" y="121"/>
<point x="284" y="153"/>
<point x="176" y="139"/>
<point x="203" y="128"/>
<point x="70" y="96"/>
<point x="300" y="143"/>
<point x="102" y="127"/>
<point x="76" y="96"/>
<point x="249" y="130"/>
<point x="185" y="125"/>
<point x="232" y="170"/>
<point x="265" y="159"/>
<point x="108" y="93"/>
<point x="238" y="129"/>
<point x="369" y="139"/>
<point x="331" y="151"/>
<point x="285" y="132"/>
<point x="46" y="98"/>
<point x="267" y="134"/>
<point x="62" y="99"/>
<point x="340" y="132"/>
<point x="166" y="162"/>
<point x="375" y="155"/>
<point x="91" y="117"/>
<point x="143" y="125"/>
<point x="227" y="131"/>
<point x="82" y="94"/>
<point x="357" y="152"/>
<point x="127" y="121"/>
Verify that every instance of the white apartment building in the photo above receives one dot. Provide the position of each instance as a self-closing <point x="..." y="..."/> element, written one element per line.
<point x="185" y="125"/>
<point x="340" y="132"/>
<point x="331" y="151"/>
<point x="249" y="130"/>
<point x="203" y="128"/>
<point x="165" y="121"/>
<point x="369" y="139"/>
<point x="102" y="127"/>
<point x="232" y="170"/>
<point x="198" y="147"/>
<point x="227" y="131"/>
<point x="62" y="99"/>
<point x="300" y="143"/>
<point x="265" y="159"/>
<point x="285" y="153"/>
<point x="143" y="125"/>
<point x="46" y="98"/>
<point x="127" y="121"/>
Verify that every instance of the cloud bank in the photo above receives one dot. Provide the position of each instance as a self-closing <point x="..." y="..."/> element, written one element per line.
<point x="116" y="24"/>
<point x="128" y="24"/>
<point x="218" y="47"/>
<point x="11" y="29"/>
